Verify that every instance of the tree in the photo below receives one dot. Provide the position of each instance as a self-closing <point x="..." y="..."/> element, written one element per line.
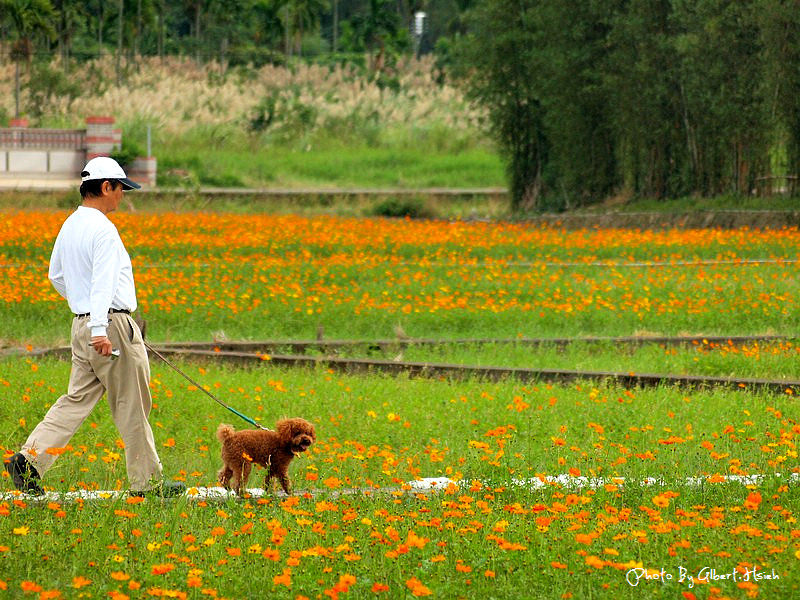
<point x="303" y="16"/>
<point x="374" y="28"/>
<point x="575" y="100"/>
<point x="29" y="18"/>
<point x="500" y="64"/>
<point x="268" y="28"/>
<point x="644" y="99"/>
<point x="779" y="22"/>
<point x="70" y="16"/>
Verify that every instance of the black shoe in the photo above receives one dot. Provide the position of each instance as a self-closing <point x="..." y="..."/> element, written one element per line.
<point x="24" y="475"/>
<point x="163" y="489"/>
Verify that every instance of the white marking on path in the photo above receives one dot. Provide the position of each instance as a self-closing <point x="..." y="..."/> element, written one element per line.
<point x="427" y="484"/>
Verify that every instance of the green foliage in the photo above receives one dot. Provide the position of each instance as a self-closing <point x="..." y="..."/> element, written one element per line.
<point x="129" y="152"/>
<point x="412" y="208"/>
<point x="47" y="84"/>
<point x="500" y="59"/>
<point x="651" y="99"/>
<point x="254" y="56"/>
<point x="263" y="113"/>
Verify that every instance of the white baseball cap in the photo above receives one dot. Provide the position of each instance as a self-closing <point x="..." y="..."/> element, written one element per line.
<point x="105" y="167"/>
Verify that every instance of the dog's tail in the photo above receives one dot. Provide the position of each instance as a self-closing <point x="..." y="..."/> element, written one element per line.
<point x="224" y="432"/>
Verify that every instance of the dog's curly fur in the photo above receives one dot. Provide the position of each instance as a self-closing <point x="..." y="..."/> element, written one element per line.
<point x="273" y="450"/>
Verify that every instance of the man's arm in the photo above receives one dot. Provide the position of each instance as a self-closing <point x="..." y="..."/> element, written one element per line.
<point x="106" y="264"/>
<point x="56" y="272"/>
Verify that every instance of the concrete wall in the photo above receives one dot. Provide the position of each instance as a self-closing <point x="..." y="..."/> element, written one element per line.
<point x="54" y="163"/>
<point x="52" y="153"/>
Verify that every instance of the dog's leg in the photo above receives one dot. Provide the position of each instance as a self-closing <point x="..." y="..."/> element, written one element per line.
<point x="236" y="477"/>
<point x="224" y="476"/>
<point x="246" y="468"/>
<point x="282" y="475"/>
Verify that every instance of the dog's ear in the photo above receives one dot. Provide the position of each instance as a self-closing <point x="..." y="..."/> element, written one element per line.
<point x="284" y="429"/>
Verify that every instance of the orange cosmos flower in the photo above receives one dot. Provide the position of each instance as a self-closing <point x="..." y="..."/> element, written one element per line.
<point x="753" y="501"/>
<point x="661" y="501"/>
<point x="332" y="482"/>
<point x="30" y="586"/>
<point x="57" y="451"/>
<point x="271" y="554"/>
<point x="417" y="588"/>
<point x="162" y="569"/>
<point x="79" y="582"/>
<point x="284" y="578"/>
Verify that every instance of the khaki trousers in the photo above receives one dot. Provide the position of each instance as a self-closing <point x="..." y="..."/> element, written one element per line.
<point x="126" y="382"/>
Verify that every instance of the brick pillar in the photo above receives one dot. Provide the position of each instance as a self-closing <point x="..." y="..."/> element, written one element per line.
<point x="17" y="136"/>
<point x="99" y="137"/>
<point x="143" y="170"/>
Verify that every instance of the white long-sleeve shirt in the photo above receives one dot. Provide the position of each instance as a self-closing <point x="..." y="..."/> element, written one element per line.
<point x="90" y="267"/>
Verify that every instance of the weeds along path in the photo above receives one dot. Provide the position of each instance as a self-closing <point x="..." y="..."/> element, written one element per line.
<point x="250" y="353"/>
<point x="333" y="346"/>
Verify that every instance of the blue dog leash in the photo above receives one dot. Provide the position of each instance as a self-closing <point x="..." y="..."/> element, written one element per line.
<point x="200" y="387"/>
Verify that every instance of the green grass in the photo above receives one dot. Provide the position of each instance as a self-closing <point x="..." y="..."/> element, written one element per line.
<point x="399" y="160"/>
<point x="753" y="360"/>
<point x="365" y="167"/>
<point x="489" y="538"/>
<point x="774" y="202"/>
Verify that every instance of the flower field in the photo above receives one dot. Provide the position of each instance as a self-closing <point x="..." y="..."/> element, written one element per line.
<point x="258" y="276"/>
<point x="559" y="491"/>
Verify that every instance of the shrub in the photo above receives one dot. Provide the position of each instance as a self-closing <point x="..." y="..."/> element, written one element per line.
<point x="412" y="208"/>
<point x="129" y="152"/>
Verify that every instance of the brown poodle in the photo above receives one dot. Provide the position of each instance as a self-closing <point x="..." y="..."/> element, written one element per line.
<point x="273" y="450"/>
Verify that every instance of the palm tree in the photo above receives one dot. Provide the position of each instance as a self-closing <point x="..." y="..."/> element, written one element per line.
<point x="303" y="16"/>
<point x="70" y="12"/>
<point x="375" y="27"/>
<point x="29" y="18"/>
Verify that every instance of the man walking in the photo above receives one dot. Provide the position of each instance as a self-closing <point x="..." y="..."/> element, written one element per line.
<point x="91" y="269"/>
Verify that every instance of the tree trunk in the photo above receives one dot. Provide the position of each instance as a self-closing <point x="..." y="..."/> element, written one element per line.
<point x="16" y="89"/>
<point x="197" y="32"/>
<point x="335" y="25"/>
<point x="136" y="41"/>
<point x="161" y="31"/>
<point x="287" y="48"/>
<point x="119" y="43"/>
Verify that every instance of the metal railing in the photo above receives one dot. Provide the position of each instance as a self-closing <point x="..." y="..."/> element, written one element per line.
<point x="22" y="138"/>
